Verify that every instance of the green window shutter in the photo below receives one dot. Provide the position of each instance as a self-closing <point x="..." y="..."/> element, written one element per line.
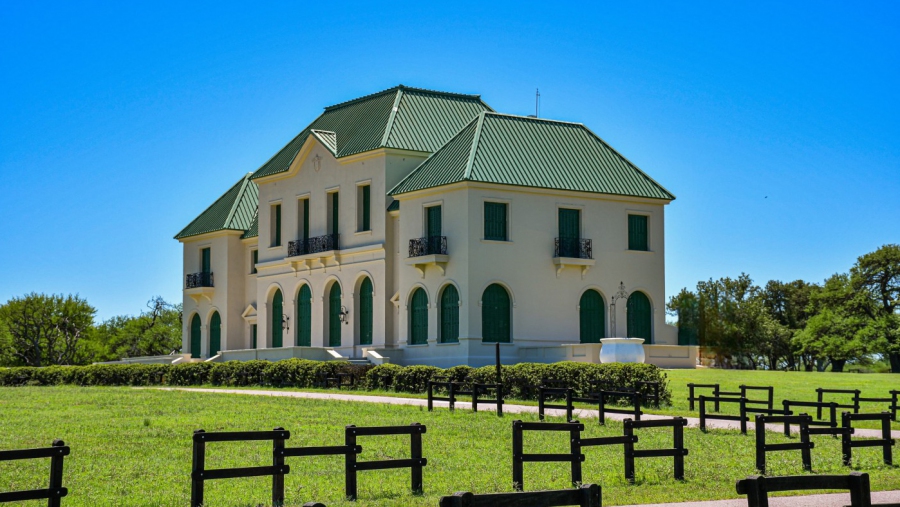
<point x="334" y="213"/>
<point x="215" y="334"/>
<point x="433" y="217"/>
<point x="334" y="315"/>
<point x="365" y="312"/>
<point x="277" y="318"/>
<point x="495" y="318"/>
<point x="366" y="198"/>
<point x="418" y="320"/>
<point x="637" y="232"/>
<point x="253" y="335"/>
<point x="569" y="232"/>
<point x="450" y="315"/>
<point x="305" y="219"/>
<point x="639" y="314"/>
<point x="254" y="261"/>
<point x="205" y="263"/>
<point x="195" y="336"/>
<point x="495" y="221"/>
<point x="303" y="321"/>
<point x="592" y="317"/>
<point x="277" y="241"/>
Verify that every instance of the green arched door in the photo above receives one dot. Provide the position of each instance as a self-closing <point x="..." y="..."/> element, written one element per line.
<point x="277" y="318"/>
<point x="304" y="317"/>
<point x="639" y="316"/>
<point x="495" y="323"/>
<point x="365" y="312"/>
<point x="334" y="316"/>
<point x="418" y="318"/>
<point x="215" y="334"/>
<point x="195" y="336"/>
<point x="592" y="316"/>
<point x="450" y="315"/>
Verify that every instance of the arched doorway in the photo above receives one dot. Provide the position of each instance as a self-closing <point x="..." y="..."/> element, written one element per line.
<point x="495" y="321"/>
<point x="334" y="315"/>
<point x="195" y="336"/>
<point x="277" y="319"/>
<point x="418" y="318"/>
<point x="639" y="314"/>
<point x="303" y="320"/>
<point x="449" y="315"/>
<point x="592" y="317"/>
<point x="215" y="334"/>
<point x="365" y="312"/>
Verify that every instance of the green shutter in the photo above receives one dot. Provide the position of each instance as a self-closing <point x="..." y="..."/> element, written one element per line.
<point x="495" y="221"/>
<point x="639" y="314"/>
<point x="195" y="336"/>
<point x="450" y="315"/>
<point x="366" y="197"/>
<point x="569" y="232"/>
<point x="253" y="335"/>
<point x="418" y="319"/>
<point x="334" y="315"/>
<point x="215" y="334"/>
<point x="365" y="312"/>
<point x="205" y="263"/>
<point x="255" y="261"/>
<point x="277" y="225"/>
<point x="277" y="318"/>
<point x="637" y="232"/>
<point x="433" y="217"/>
<point x="495" y="324"/>
<point x="303" y="321"/>
<point x="592" y="317"/>
<point x="305" y="220"/>
<point x="334" y="213"/>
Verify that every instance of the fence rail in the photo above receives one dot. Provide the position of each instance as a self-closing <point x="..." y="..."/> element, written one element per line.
<point x="55" y="491"/>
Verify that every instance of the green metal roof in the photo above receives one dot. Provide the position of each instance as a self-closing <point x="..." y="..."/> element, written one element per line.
<point x="253" y="230"/>
<point x="235" y="210"/>
<point x="394" y="206"/>
<point x="532" y="152"/>
<point x="400" y="117"/>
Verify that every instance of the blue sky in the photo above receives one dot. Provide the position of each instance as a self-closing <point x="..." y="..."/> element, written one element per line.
<point x="774" y="123"/>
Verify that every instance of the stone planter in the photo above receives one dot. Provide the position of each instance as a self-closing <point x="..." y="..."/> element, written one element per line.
<point x="622" y="350"/>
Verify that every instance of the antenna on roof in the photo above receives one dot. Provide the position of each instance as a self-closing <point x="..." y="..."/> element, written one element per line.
<point x="537" y="102"/>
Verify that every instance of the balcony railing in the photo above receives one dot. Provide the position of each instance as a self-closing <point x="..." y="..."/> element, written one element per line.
<point x="314" y="245"/>
<point x="574" y="248"/>
<point x="433" y="245"/>
<point x="194" y="280"/>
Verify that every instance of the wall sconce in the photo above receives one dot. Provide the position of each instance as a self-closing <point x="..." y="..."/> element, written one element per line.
<point x="342" y="315"/>
<point x="285" y="322"/>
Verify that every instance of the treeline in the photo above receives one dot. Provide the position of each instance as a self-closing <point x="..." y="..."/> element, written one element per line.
<point x="851" y="317"/>
<point x="46" y="330"/>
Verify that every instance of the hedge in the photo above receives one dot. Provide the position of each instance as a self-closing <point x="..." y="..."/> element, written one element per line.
<point x="519" y="380"/>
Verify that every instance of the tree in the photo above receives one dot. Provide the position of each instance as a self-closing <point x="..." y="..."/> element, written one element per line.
<point x="152" y="333"/>
<point x="46" y="330"/>
<point x="832" y="333"/>
<point x="686" y="307"/>
<point x="788" y="304"/>
<point x="875" y="278"/>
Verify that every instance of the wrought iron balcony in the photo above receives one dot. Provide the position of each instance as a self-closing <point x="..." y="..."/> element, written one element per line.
<point x="432" y="245"/>
<point x="574" y="248"/>
<point x="194" y="280"/>
<point x="314" y="245"/>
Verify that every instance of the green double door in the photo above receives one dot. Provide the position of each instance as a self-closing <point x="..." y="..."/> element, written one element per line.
<point x="215" y="334"/>
<point x="639" y="314"/>
<point x="277" y="318"/>
<point x="592" y="317"/>
<point x="569" y="232"/>
<point x="304" y="317"/>
<point x="365" y="312"/>
<point x="334" y="316"/>
<point x="195" y="336"/>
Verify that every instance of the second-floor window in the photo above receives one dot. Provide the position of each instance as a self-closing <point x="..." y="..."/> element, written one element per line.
<point x="303" y="219"/>
<point x="495" y="221"/>
<point x="254" y="260"/>
<point x="638" y="233"/>
<point x="205" y="261"/>
<point x="333" y="215"/>
<point x="276" y="225"/>
<point x="363" y="206"/>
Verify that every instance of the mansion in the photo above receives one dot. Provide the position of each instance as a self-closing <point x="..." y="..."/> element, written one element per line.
<point x="421" y="227"/>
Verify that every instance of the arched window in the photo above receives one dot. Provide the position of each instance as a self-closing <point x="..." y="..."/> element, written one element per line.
<point x="304" y="317"/>
<point x="195" y="336"/>
<point x="495" y="321"/>
<point x="365" y="312"/>
<point x="449" y="315"/>
<point x="334" y="315"/>
<point x="418" y="318"/>
<point x="277" y="318"/>
<point x="639" y="316"/>
<point x="592" y="316"/>
<point x="215" y="334"/>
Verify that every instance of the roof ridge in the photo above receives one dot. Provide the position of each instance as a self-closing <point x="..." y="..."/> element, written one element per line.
<point x="237" y="200"/>
<point x="402" y="87"/>
<point x="390" y="123"/>
<point x="363" y="98"/>
<point x="474" y="148"/>
<point x="533" y="118"/>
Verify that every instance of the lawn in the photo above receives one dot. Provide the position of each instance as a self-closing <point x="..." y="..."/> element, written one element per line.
<point x="133" y="447"/>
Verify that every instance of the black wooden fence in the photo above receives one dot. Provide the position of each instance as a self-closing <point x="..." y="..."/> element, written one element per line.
<point x="55" y="491"/>
<point x="757" y="488"/>
<point x="573" y="457"/>
<point x="414" y="463"/>
<point x="742" y="392"/>
<point x="677" y="451"/>
<point x="742" y="408"/>
<point x="885" y="442"/>
<point x="587" y="495"/>
<point x="480" y="393"/>
<point x="804" y="446"/>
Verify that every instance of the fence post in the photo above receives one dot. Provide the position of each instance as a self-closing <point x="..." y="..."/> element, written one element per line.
<point x="860" y="492"/>
<point x="702" y="413"/>
<point x="743" y="415"/>
<point x="716" y="394"/>
<point x="540" y="404"/>
<point x="804" y="438"/>
<point x="637" y="406"/>
<point x="350" y="463"/>
<point x="517" y="448"/>
<point x="886" y="452"/>
<point x="846" y="448"/>
<point x="575" y="449"/>
<point x="568" y="405"/>
<point x="691" y="396"/>
<point x="452" y="395"/>
<point x="760" y="444"/>
<point x="819" y="408"/>
<point x="787" y="426"/>
<point x="199" y="463"/>
<point x="277" y="478"/>
<point x="601" y="414"/>
<point x="430" y="394"/>
<point x="629" y="451"/>
<point x="678" y="439"/>
<point x="415" y="451"/>
<point x="56" y="473"/>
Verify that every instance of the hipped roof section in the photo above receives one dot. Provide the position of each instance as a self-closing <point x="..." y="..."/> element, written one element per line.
<point x="401" y="117"/>
<point x="532" y="152"/>
<point x="235" y="210"/>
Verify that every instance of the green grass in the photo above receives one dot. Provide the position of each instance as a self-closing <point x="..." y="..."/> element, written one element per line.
<point x="133" y="447"/>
